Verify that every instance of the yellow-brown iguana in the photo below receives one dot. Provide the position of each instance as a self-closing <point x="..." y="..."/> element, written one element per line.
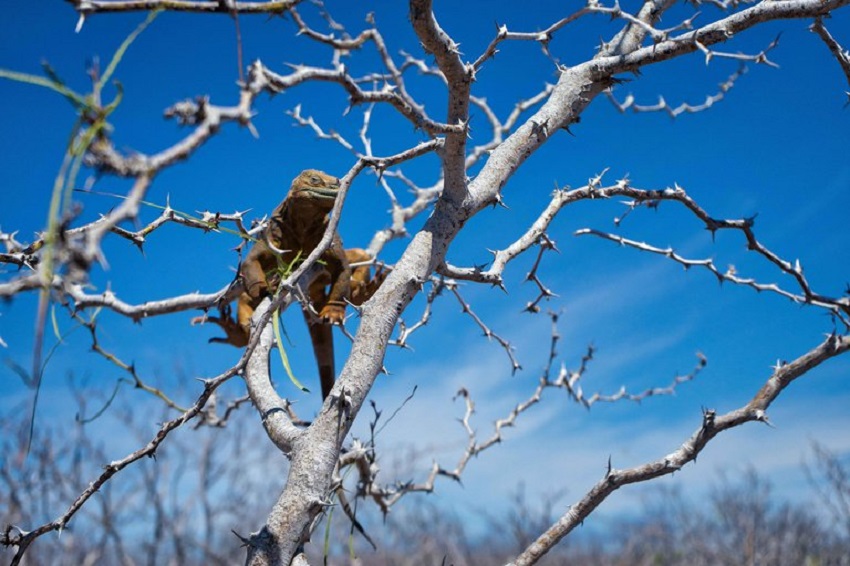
<point x="295" y="229"/>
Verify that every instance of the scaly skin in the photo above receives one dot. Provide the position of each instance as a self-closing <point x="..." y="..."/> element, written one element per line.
<point x="295" y="229"/>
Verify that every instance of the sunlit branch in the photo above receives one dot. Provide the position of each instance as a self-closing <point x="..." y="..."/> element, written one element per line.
<point x="364" y="129"/>
<point x="393" y="75"/>
<point x="724" y="4"/>
<point x="759" y="58"/>
<point x="206" y="118"/>
<point x="271" y="407"/>
<point x="663" y="106"/>
<point x="837" y="306"/>
<point x="22" y="539"/>
<point x="400" y="215"/>
<point x="87" y="7"/>
<point x="493" y="275"/>
<point x="140" y="311"/>
<point x="716" y="32"/>
<point x="489" y="334"/>
<point x="309" y="122"/>
<point x="137" y="382"/>
<point x="711" y="426"/>
<point x="27" y="256"/>
<point x="405" y="330"/>
<point x="657" y="35"/>
<point x="637" y="27"/>
<point x="593" y="189"/>
<point x="543" y="37"/>
<point x="841" y="55"/>
<point x="459" y="77"/>
<point x="500" y="129"/>
<point x="274" y="82"/>
<point x="385" y="497"/>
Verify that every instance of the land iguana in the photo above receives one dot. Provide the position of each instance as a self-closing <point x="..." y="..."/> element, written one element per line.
<point x="295" y="229"/>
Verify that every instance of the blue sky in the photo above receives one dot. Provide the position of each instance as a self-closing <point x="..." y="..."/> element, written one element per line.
<point x="776" y="146"/>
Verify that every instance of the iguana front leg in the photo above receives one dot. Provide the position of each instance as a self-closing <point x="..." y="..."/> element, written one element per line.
<point x="235" y="333"/>
<point x="336" y="264"/>
<point x="253" y="271"/>
<point x="363" y="283"/>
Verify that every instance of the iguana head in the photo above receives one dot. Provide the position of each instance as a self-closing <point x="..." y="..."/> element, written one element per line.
<point x="318" y="187"/>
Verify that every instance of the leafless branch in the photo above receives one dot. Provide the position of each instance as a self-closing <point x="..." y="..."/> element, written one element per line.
<point x="385" y="497"/>
<point x="544" y="37"/>
<point x="394" y="74"/>
<point x="309" y="122"/>
<point x="841" y="55"/>
<point x="87" y="7"/>
<point x="718" y="31"/>
<point x="711" y="426"/>
<point x="459" y="77"/>
<point x="562" y="198"/>
<point x="424" y="198"/>
<point x="90" y="324"/>
<point x="206" y="118"/>
<point x="404" y="330"/>
<point x="489" y="334"/>
<point x="759" y="58"/>
<point x="137" y="312"/>
<point x="662" y="104"/>
<point x="657" y="35"/>
<point x="22" y="539"/>
<point x="500" y="129"/>
<point x="209" y="416"/>
<point x="272" y="408"/>
<point x="545" y="244"/>
<point x="836" y="306"/>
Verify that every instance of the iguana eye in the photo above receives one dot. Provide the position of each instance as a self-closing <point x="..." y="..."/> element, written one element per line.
<point x="315" y="181"/>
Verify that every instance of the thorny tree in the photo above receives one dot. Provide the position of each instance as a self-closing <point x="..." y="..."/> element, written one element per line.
<point x="473" y="170"/>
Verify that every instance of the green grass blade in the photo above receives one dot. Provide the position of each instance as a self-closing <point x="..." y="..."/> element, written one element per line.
<point x="119" y="54"/>
<point x="283" y="358"/>
<point x="55" y="324"/>
<point x="77" y="100"/>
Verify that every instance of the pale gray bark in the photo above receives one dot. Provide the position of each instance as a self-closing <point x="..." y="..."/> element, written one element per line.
<point x="314" y="450"/>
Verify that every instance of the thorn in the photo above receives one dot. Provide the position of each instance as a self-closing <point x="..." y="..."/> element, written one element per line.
<point x="761" y="416"/>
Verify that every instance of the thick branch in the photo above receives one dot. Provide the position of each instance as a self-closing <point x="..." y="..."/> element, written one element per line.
<point x="314" y="455"/>
<point x="208" y="6"/>
<point x="272" y="408"/>
<point x="459" y="78"/>
<point x="715" y="32"/>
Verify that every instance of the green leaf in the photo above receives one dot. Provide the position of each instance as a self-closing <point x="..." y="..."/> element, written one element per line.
<point x="55" y="323"/>
<point x="326" y="546"/>
<point x="283" y="358"/>
<point x="119" y="54"/>
<point x="86" y="420"/>
<point x="77" y="100"/>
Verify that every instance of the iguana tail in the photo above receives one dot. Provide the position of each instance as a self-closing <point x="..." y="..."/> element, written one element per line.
<point x="321" y="335"/>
